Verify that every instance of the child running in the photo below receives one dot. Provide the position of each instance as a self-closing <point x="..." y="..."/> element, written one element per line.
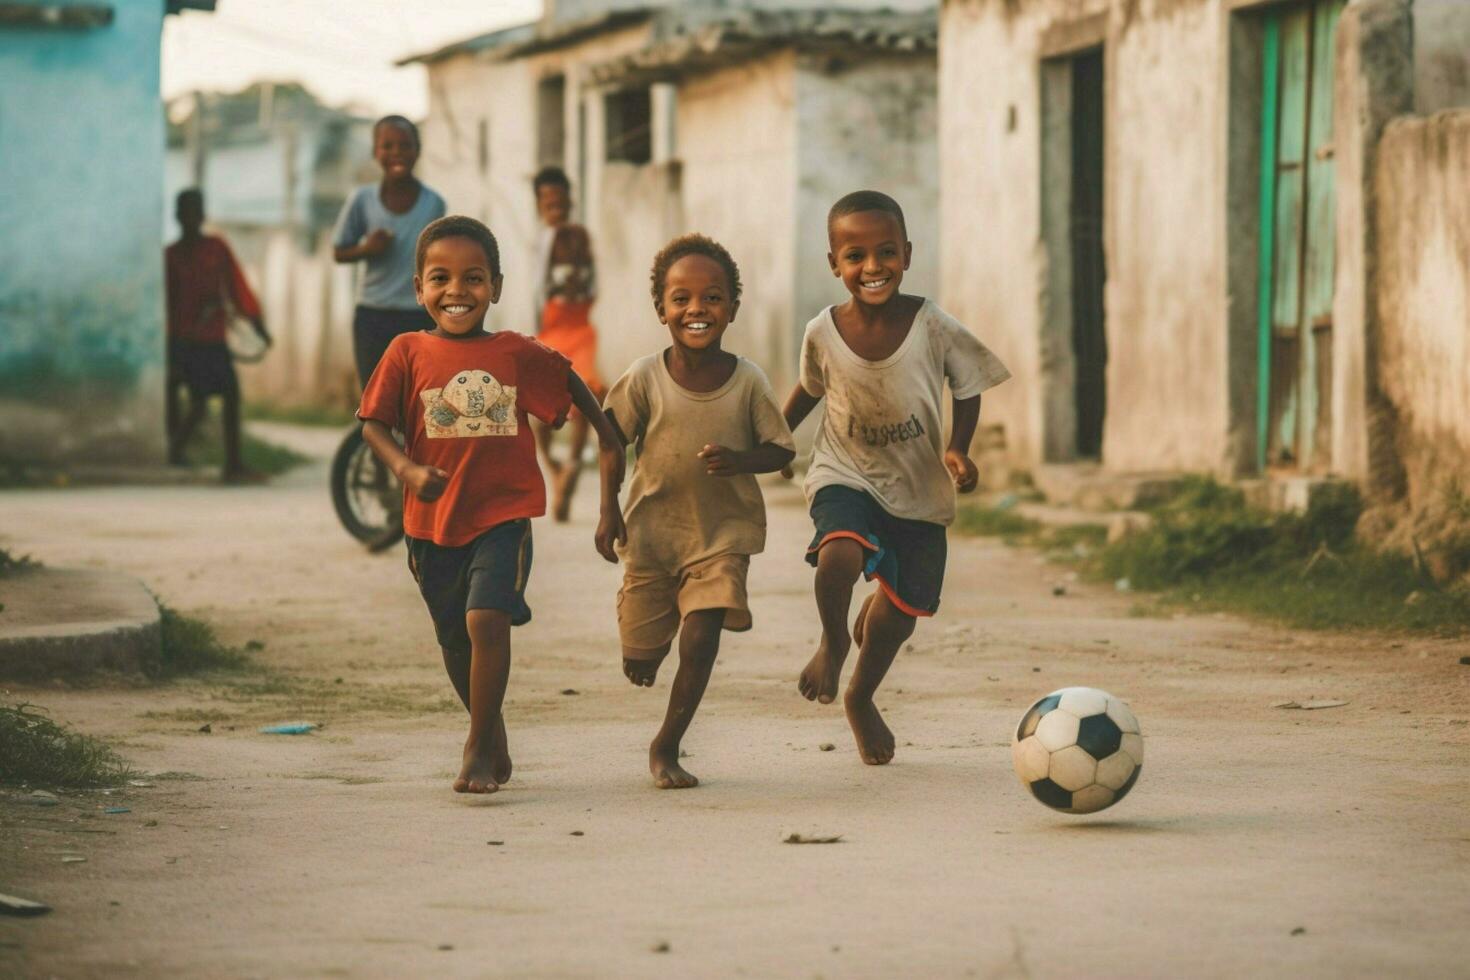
<point x="461" y="397"/>
<point x="202" y="283"/>
<point x="703" y="421"/>
<point x="881" y="486"/>
<point x="379" y="226"/>
<point x="564" y="298"/>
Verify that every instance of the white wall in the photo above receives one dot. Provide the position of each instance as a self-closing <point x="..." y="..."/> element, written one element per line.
<point x="1164" y="235"/>
<point x="737" y="138"/>
<point x="866" y="124"/>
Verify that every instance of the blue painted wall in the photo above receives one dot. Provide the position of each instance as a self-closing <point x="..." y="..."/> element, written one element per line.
<point x="81" y="277"/>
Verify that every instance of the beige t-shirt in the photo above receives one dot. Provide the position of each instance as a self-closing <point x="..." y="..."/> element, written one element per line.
<point x="881" y="420"/>
<point x="677" y="514"/>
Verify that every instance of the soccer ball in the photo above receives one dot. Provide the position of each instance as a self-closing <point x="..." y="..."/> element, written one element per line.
<point x="1078" y="750"/>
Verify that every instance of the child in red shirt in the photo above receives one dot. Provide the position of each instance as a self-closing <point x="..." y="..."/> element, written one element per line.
<point x="462" y="398"/>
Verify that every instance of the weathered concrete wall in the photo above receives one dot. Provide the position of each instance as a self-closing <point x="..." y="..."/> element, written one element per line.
<point x="1374" y="83"/>
<point x="868" y="123"/>
<point x="1164" y="216"/>
<point x="464" y="94"/>
<point x="466" y="91"/>
<point x="81" y="270"/>
<point x="1423" y="297"/>
<point x="737" y="140"/>
<point x="1441" y="55"/>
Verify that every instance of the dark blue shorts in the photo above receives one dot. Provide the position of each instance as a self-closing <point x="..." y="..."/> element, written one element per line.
<point x="905" y="556"/>
<point x="488" y="573"/>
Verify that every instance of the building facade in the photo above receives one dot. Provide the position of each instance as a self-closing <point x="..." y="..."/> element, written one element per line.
<point x="1166" y="217"/>
<point x="741" y="122"/>
<point x="81" y="274"/>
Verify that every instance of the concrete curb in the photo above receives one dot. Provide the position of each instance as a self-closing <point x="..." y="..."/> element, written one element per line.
<point x="59" y="623"/>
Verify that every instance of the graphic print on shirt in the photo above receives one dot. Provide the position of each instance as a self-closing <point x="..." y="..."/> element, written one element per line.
<point x="472" y="404"/>
<point x="882" y="435"/>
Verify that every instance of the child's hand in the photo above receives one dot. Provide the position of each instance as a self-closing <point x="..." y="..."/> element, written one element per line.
<point x="427" y="482"/>
<point x="377" y="241"/>
<point x="787" y="473"/>
<point x="962" y="470"/>
<point x="610" y="529"/>
<point x="720" y="461"/>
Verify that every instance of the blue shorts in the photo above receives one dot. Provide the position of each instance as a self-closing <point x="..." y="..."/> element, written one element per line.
<point x="905" y="556"/>
<point x="488" y="573"/>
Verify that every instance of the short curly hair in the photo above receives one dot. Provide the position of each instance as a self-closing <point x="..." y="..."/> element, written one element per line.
<point x="685" y="245"/>
<point x="457" y="226"/>
<point x="859" y="201"/>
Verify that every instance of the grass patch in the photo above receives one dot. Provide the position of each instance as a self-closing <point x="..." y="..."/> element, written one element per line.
<point x="1209" y="549"/>
<point x="335" y="416"/>
<point x="36" y="751"/>
<point x="190" y="646"/>
<point x="1065" y="542"/>
<point x="206" y="447"/>
<point x="995" y="522"/>
<point x="15" y="565"/>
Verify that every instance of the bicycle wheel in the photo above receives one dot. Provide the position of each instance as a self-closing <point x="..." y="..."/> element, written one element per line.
<point x="367" y="497"/>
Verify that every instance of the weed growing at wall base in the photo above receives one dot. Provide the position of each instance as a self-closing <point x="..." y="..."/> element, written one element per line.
<point x="1207" y="548"/>
<point x="190" y="646"/>
<point x="36" y="751"/>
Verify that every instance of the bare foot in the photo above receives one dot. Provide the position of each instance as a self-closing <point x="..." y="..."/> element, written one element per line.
<point x="862" y="621"/>
<point x="500" y="754"/>
<point x="818" y="681"/>
<point x="663" y="762"/>
<point x="641" y="673"/>
<point x="477" y="775"/>
<point x="874" y="740"/>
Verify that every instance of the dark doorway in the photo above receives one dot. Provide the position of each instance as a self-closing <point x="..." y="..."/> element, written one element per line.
<point x="1089" y="270"/>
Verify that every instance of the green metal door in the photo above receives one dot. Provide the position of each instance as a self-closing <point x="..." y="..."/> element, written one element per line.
<point x="1298" y="227"/>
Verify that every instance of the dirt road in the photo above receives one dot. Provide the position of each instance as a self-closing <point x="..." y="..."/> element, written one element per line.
<point x="1322" y="843"/>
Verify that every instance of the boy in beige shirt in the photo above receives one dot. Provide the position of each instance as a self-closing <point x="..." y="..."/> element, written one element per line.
<point x="702" y="422"/>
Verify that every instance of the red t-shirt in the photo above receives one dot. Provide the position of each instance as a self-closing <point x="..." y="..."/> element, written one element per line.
<point x="462" y="405"/>
<point x="202" y="280"/>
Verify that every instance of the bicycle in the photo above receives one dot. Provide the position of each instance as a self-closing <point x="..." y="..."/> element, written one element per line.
<point x="366" y="495"/>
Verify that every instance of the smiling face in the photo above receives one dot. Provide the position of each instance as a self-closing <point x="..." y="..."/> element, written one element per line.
<point x="696" y="304"/>
<point x="869" y="254"/>
<point x="456" y="286"/>
<point x="396" y="150"/>
<point x="554" y="204"/>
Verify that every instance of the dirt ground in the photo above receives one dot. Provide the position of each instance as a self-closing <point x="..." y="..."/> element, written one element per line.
<point x="1324" y="843"/>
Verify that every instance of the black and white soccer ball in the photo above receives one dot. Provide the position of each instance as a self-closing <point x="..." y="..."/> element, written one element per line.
<point x="1078" y="750"/>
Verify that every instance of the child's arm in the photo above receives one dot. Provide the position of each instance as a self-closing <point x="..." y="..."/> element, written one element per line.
<point x="611" y="458"/>
<point x="765" y="458"/>
<point x="798" y="406"/>
<point x="376" y="243"/>
<point x="427" y="482"/>
<point x="957" y="457"/>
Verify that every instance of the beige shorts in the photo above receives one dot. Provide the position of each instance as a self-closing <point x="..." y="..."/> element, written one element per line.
<point x="651" y="606"/>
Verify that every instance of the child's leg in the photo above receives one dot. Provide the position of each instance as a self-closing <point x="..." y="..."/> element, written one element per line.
<point x="641" y="666"/>
<point x="230" y="419"/>
<point x="839" y="563"/>
<point x="884" y="630"/>
<point x="197" y="405"/>
<point x="699" y="644"/>
<point x="173" y="417"/>
<point x="486" y="755"/>
<point x="571" y="470"/>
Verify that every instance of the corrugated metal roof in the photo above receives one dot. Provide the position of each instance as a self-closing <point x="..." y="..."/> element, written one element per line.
<point x="474" y="45"/>
<point x="684" y="46"/>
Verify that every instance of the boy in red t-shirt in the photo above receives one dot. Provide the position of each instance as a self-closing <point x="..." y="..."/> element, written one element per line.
<point x="462" y="397"/>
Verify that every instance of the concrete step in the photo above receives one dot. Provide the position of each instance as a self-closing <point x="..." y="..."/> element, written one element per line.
<point x="60" y="622"/>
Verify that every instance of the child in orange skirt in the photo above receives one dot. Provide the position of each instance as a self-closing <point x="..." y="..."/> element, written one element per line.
<point x="564" y="306"/>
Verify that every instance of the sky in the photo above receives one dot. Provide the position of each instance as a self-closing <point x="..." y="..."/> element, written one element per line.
<point x="343" y="50"/>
